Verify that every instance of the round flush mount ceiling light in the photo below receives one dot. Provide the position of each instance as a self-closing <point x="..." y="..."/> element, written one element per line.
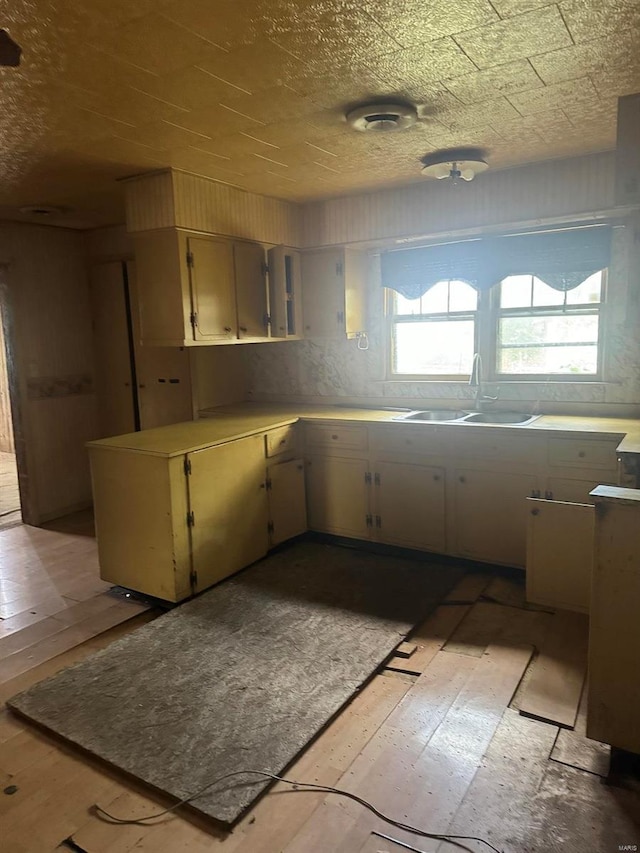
<point x="382" y="117"/>
<point x="454" y="163"/>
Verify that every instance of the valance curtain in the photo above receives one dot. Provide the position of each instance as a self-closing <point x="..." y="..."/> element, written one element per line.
<point x="562" y="259"/>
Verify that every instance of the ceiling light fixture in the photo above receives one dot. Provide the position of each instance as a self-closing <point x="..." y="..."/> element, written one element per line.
<point x="382" y="117"/>
<point x="454" y="163"/>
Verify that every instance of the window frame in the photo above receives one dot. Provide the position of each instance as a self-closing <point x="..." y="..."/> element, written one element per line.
<point x="487" y="316"/>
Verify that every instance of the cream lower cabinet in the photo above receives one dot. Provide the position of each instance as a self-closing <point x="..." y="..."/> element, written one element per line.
<point x="287" y="506"/>
<point x="409" y="505"/>
<point x="560" y="538"/>
<point x="170" y="524"/>
<point x="490" y="514"/>
<point x="228" y="509"/>
<point x="338" y="495"/>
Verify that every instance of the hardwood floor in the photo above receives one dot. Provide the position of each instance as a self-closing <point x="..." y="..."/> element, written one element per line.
<point x="9" y="494"/>
<point x="435" y="739"/>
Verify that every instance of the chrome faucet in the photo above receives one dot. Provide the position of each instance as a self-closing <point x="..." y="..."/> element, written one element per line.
<point x="475" y="380"/>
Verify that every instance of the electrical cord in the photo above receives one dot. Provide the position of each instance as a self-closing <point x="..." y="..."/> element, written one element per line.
<point x="304" y="787"/>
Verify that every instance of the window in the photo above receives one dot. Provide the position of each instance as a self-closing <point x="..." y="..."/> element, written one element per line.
<point x="523" y="327"/>
<point x="542" y="331"/>
<point x="434" y="335"/>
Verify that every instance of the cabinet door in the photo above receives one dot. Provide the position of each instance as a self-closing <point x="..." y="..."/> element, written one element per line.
<point x="355" y="288"/>
<point x="559" y="554"/>
<point x="212" y="289"/>
<point x="228" y="499"/>
<point x="323" y="293"/>
<point x="285" y="297"/>
<point x="490" y="515"/>
<point x="251" y="290"/>
<point x="409" y="505"/>
<point x="287" y="510"/>
<point x="338" y="495"/>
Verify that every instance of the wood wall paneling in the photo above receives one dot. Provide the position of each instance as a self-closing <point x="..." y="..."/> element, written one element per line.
<point x="554" y="188"/>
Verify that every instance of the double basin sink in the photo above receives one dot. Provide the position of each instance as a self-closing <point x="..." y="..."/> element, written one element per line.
<point x="453" y="416"/>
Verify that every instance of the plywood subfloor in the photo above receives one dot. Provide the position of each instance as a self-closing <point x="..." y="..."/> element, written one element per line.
<point x="243" y="676"/>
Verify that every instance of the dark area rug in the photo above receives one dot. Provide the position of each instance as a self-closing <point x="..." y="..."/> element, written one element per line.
<point x="243" y="676"/>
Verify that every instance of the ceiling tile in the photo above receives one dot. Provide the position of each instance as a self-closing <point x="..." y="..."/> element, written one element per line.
<point x="201" y="163"/>
<point x="256" y="66"/>
<point x="578" y="60"/>
<point x="411" y="22"/>
<point x="509" y="8"/>
<point x="505" y="79"/>
<point x="413" y="68"/>
<point x="228" y="23"/>
<point x="596" y="19"/>
<point x="555" y="95"/>
<point x="514" y="38"/>
<point x="156" y="44"/>
<point x="190" y="88"/>
<point x="218" y="122"/>
<point x="271" y="105"/>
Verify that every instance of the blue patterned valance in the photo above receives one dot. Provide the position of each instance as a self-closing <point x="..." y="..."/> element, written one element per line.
<point x="563" y="259"/>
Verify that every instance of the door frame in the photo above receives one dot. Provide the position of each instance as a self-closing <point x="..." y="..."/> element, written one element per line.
<point x="7" y="317"/>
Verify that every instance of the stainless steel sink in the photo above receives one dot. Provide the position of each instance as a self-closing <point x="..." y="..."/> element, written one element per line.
<point x="500" y="418"/>
<point x="433" y="415"/>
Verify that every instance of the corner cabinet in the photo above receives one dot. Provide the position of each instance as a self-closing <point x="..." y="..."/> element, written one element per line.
<point x="333" y="293"/>
<point x="171" y="523"/>
<point x="196" y="289"/>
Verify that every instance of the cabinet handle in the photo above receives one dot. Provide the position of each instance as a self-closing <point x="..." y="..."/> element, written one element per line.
<point x="535" y="512"/>
<point x="436" y="476"/>
<point x="243" y="328"/>
<point x="227" y="328"/>
<point x="582" y="454"/>
<point x="334" y="437"/>
<point x="462" y="479"/>
<point x="283" y="441"/>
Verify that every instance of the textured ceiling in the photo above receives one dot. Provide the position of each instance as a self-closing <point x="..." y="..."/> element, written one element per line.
<point x="253" y="92"/>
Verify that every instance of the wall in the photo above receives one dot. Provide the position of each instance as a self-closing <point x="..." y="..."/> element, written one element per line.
<point x="6" y="427"/>
<point x="337" y="370"/>
<point x="51" y="334"/>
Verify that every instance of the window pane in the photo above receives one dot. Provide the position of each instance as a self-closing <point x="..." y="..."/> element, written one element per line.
<point x="548" y="360"/>
<point x="434" y="300"/>
<point x="555" y="344"/>
<point x="462" y="297"/>
<point x="405" y="306"/>
<point x="589" y="291"/>
<point x="439" y="347"/>
<point x="515" y="292"/>
<point x="545" y="295"/>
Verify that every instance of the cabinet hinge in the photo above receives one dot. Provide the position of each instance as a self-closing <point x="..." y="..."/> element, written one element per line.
<point x="265" y="268"/>
<point x="189" y="259"/>
<point x="191" y="519"/>
<point x="267" y="319"/>
<point x="339" y="268"/>
<point x="268" y="484"/>
<point x="378" y="521"/>
<point x="187" y="467"/>
<point x="369" y="520"/>
<point x="376" y="479"/>
<point x="193" y="580"/>
<point x="270" y="527"/>
<point x="193" y="319"/>
<point x="367" y="478"/>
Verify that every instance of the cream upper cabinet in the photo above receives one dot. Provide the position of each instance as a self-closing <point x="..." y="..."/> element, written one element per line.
<point x="251" y="291"/>
<point x="196" y="289"/>
<point x="490" y="514"/>
<point x="333" y="292"/>
<point x="211" y="268"/>
<point x="285" y="293"/>
<point x="409" y="505"/>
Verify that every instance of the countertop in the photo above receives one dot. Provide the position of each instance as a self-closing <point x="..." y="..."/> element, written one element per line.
<point x="227" y="423"/>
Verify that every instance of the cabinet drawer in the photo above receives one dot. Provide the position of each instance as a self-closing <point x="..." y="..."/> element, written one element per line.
<point x="281" y="440"/>
<point x="343" y="437"/>
<point x="408" y="439"/>
<point x="580" y="452"/>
